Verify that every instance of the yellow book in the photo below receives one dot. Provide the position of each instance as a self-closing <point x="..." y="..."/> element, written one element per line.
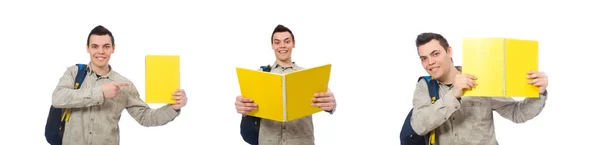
<point x="283" y="97"/>
<point x="501" y="66"/>
<point x="162" y="78"/>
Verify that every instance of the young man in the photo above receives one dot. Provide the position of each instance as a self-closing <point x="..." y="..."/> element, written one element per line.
<point x="97" y="105"/>
<point x="297" y="132"/>
<point x="463" y="121"/>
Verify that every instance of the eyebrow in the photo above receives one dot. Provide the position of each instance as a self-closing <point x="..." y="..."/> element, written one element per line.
<point x="434" y="51"/>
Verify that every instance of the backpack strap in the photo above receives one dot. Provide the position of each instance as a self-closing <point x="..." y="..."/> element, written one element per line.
<point x="82" y="70"/>
<point x="433" y="88"/>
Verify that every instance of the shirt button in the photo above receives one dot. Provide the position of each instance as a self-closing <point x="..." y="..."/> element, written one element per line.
<point x="452" y="118"/>
<point x="455" y="134"/>
<point x="90" y="132"/>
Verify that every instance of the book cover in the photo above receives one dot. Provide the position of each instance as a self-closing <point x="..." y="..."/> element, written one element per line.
<point x="501" y="66"/>
<point x="283" y="97"/>
<point x="162" y="78"/>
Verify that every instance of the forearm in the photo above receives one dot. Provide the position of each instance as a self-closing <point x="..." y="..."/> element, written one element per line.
<point x="521" y="111"/>
<point x="427" y="117"/>
<point x="65" y="97"/>
<point x="147" y="116"/>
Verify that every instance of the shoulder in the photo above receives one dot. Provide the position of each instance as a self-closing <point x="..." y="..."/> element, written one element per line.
<point x="118" y="77"/>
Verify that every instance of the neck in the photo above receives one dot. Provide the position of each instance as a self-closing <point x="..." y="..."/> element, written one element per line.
<point x="286" y="63"/>
<point x="100" y="70"/>
<point x="449" y="77"/>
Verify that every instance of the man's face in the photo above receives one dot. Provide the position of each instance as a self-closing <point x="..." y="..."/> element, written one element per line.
<point x="100" y="48"/>
<point x="283" y="45"/>
<point x="435" y="60"/>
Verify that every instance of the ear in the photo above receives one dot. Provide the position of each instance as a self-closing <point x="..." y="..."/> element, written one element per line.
<point x="87" y="48"/>
<point x="294" y="44"/>
<point x="449" y="51"/>
<point x="113" y="48"/>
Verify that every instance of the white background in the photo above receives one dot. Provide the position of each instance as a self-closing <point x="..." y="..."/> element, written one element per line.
<point x="370" y="44"/>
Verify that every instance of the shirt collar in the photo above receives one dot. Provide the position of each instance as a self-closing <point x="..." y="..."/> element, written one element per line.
<point x="294" y="66"/>
<point x="91" y="71"/>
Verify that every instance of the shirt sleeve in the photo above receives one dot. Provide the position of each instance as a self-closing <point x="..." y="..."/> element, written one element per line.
<point x="519" y="111"/>
<point x="145" y="115"/>
<point x="427" y="116"/>
<point x="65" y="96"/>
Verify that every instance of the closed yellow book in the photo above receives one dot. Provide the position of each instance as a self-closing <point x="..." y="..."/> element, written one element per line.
<point x="162" y="78"/>
<point x="283" y="97"/>
<point x="501" y="66"/>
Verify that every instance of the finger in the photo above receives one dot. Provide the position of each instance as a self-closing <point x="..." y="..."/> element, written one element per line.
<point x="177" y="98"/>
<point x="532" y="76"/>
<point x="238" y="104"/>
<point x="322" y="105"/>
<point x="322" y="94"/>
<point x="532" y="72"/>
<point x="471" y="76"/>
<point x="121" y="84"/>
<point x="534" y="81"/>
<point x="249" y="104"/>
<point x="246" y="100"/>
<point x="177" y="94"/>
<point x="248" y="109"/>
<point x="473" y="82"/>
<point x="324" y="100"/>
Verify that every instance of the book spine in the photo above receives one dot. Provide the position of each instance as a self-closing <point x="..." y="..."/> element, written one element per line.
<point x="504" y="68"/>
<point x="284" y="99"/>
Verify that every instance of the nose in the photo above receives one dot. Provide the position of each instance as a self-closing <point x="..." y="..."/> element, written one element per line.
<point x="101" y="51"/>
<point x="430" y="61"/>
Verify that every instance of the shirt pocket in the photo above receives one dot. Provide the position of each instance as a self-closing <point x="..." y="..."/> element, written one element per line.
<point x="114" y="106"/>
<point x="476" y="110"/>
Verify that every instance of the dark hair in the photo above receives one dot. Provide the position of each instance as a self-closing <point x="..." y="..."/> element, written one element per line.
<point x="100" y="30"/>
<point x="281" y="28"/>
<point x="424" y="38"/>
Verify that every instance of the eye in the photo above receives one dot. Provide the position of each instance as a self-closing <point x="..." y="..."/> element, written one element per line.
<point x="436" y="54"/>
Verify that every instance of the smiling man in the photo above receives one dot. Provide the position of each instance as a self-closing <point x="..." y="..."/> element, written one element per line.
<point x="96" y="107"/>
<point x="297" y="132"/>
<point x="457" y="120"/>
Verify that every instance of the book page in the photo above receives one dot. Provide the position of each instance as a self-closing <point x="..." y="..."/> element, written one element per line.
<point x="266" y="91"/>
<point x="301" y="87"/>
<point x="484" y="58"/>
<point x="521" y="57"/>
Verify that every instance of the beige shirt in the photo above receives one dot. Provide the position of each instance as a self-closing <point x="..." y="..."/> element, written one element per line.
<point x="469" y="121"/>
<point x="94" y="119"/>
<point x="296" y="132"/>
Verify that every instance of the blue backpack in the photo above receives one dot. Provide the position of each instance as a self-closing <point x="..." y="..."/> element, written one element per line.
<point x="55" y="125"/>
<point x="408" y="136"/>
<point x="250" y="125"/>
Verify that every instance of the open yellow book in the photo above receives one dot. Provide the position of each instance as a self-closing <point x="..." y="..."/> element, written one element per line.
<point x="284" y="97"/>
<point x="162" y="78"/>
<point x="501" y="66"/>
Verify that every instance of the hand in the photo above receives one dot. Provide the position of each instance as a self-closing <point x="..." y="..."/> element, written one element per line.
<point x="539" y="79"/>
<point x="324" y="100"/>
<point x="180" y="97"/>
<point x="244" y="105"/>
<point x="111" y="90"/>
<point x="463" y="82"/>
